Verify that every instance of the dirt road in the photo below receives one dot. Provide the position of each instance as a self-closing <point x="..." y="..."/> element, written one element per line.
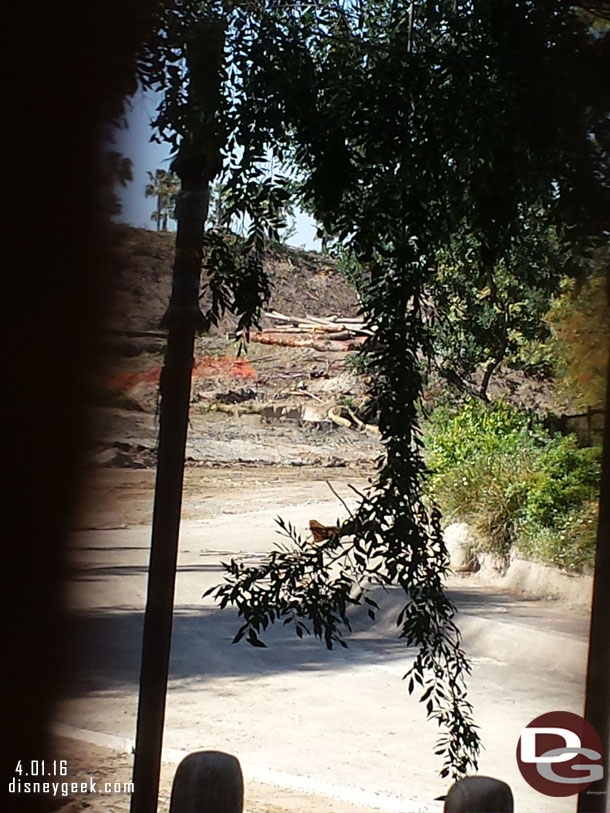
<point x="337" y="725"/>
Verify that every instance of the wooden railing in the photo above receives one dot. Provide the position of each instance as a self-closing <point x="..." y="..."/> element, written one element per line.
<point x="588" y="425"/>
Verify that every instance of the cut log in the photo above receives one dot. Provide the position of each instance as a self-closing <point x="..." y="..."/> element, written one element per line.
<point x="338" y="420"/>
<point x="304" y="327"/>
<point x="339" y="336"/>
<point x="337" y="347"/>
<point x="285" y="339"/>
<point x="281" y="317"/>
<point x="305" y="340"/>
<point x="329" y="323"/>
<point x="354" y="325"/>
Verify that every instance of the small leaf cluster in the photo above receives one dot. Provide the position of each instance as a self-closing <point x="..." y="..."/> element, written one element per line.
<point x="234" y="280"/>
<point x="293" y="584"/>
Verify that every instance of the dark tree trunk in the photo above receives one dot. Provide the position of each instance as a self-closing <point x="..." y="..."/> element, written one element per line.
<point x="596" y="798"/>
<point x="197" y="163"/>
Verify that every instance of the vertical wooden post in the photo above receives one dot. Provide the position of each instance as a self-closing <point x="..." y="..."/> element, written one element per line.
<point x="175" y="392"/>
<point x="208" y="782"/>
<point x="197" y="163"/>
<point x="596" y="799"/>
<point x="479" y="794"/>
<point x="182" y="319"/>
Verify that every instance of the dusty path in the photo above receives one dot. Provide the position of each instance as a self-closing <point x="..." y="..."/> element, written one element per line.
<point x="337" y="724"/>
<point x="124" y="497"/>
<point x="103" y="764"/>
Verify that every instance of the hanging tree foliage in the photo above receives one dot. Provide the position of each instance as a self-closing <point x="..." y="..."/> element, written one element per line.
<point x="426" y="136"/>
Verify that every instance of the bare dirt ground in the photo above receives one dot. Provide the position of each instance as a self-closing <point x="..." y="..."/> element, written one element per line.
<point x="87" y="761"/>
<point x="123" y="498"/>
<point x="279" y="406"/>
<point x="339" y="721"/>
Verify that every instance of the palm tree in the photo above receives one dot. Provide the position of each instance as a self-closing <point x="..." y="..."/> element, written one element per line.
<point x="164" y="185"/>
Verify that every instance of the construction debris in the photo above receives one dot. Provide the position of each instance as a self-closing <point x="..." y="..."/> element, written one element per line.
<point x="328" y="324"/>
<point x="331" y="334"/>
<point x="303" y="340"/>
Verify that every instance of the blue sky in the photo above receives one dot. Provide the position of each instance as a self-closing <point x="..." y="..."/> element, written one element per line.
<point x="134" y="142"/>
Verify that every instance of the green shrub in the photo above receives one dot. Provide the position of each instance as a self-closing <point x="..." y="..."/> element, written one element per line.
<point x="500" y="470"/>
<point x="568" y="544"/>
<point x="454" y="437"/>
<point x="486" y="492"/>
<point x="563" y="478"/>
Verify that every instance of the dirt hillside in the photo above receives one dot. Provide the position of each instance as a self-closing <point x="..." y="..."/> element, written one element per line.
<point x="139" y="279"/>
<point x="275" y="405"/>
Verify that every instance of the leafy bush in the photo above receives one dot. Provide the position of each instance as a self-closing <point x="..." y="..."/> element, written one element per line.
<point x="502" y="472"/>
<point x="580" y="322"/>
<point x="455" y="436"/>
<point x="569" y="543"/>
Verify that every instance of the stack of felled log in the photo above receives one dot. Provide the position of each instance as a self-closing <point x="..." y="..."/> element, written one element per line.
<point x="333" y="333"/>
